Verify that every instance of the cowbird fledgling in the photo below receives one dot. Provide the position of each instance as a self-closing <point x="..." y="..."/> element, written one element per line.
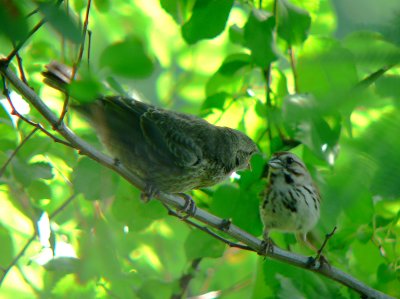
<point x="170" y="151"/>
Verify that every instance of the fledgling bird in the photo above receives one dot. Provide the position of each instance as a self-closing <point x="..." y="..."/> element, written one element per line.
<point x="170" y="151"/>
<point x="291" y="200"/>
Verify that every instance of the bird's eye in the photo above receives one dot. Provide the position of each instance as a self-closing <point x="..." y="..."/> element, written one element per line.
<point x="237" y="161"/>
<point x="289" y="160"/>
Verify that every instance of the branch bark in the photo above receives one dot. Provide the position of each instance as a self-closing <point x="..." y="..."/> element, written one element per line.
<point x="178" y="202"/>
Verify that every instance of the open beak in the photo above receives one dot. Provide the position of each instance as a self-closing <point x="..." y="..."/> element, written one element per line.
<point x="274" y="164"/>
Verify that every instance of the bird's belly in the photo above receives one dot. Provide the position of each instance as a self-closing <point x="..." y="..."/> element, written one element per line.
<point x="299" y="217"/>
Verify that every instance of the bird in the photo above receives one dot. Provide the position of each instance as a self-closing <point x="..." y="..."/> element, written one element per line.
<point x="171" y="152"/>
<point x="290" y="201"/>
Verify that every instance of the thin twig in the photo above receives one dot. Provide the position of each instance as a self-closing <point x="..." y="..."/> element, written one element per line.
<point x="32" y="238"/>
<point x="186" y="278"/>
<point x="268" y="102"/>
<point x="21" y="43"/>
<point x="294" y="69"/>
<point x="207" y="218"/>
<point x="16" y="258"/>
<point x="21" y="69"/>
<point x="327" y="237"/>
<point x="205" y="229"/>
<point x="32" y="32"/>
<point x="14" y="111"/>
<point x="14" y="153"/>
<point x="76" y="65"/>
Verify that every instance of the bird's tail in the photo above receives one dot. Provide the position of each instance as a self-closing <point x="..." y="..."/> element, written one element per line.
<point x="58" y="76"/>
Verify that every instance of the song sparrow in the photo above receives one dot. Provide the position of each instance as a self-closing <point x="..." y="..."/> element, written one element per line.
<point x="291" y="201"/>
<point x="172" y="152"/>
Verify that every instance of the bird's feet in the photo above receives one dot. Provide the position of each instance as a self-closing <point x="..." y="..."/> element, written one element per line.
<point x="190" y="206"/>
<point x="317" y="262"/>
<point x="149" y="192"/>
<point x="312" y="261"/>
<point x="225" y="224"/>
<point x="267" y="246"/>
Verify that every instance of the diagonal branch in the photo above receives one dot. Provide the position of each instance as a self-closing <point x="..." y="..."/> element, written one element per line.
<point x="178" y="202"/>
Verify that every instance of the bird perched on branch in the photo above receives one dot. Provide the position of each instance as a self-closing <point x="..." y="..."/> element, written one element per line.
<point x="291" y="200"/>
<point x="170" y="151"/>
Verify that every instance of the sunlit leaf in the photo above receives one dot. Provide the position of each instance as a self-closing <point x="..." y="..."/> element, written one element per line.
<point x="178" y="9"/>
<point x="233" y="203"/>
<point x="293" y="22"/>
<point x="93" y="180"/>
<point x="259" y="38"/>
<point x="215" y="12"/>
<point x="102" y="5"/>
<point x="12" y="21"/>
<point x="128" y="58"/>
<point x="371" y="49"/>
<point x="7" y="247"/>
<point x="199" y="244"/>
<point x="85" y="90"/>
<point x="61" y="21"/>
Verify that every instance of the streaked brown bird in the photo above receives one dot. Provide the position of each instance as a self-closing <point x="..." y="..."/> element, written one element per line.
<point x="170" y="151"/>
<point x="291" y="200"/>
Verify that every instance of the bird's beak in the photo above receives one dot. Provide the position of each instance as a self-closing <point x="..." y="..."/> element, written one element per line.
<point x="275" y="164"/>
<point x="249" y="166"/>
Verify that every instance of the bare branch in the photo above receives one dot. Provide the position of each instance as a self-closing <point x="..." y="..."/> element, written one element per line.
<point x="178" y="202"/>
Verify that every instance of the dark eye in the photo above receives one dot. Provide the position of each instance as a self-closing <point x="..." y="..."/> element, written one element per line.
<point x="237" y="161"/>
<point x="289" y="160"/>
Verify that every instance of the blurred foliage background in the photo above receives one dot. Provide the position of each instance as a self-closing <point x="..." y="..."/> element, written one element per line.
<point x="317" y="77"/>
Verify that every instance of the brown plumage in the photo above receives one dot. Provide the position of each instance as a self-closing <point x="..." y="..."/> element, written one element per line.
<point x="171" y="151"/>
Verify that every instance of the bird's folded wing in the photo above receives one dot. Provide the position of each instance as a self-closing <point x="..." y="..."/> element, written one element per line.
<point x="167" y="133"/>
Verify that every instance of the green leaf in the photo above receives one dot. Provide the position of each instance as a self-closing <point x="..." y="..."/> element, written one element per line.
<point x="371" y="49"/>
<point x="41" y="170"/>
<point x="293" y="22"/>
<point x="326" y="70"/>
<point x="199" y="244"/>
<point x="229" y="77"/>
<point x="61" y="21"/>
<point x="12" y="21"/>
<point x="102" y="5"/>
<point x="85" y="90"/>
<point x="39" y="190"/>
<point x="178" y="9"/>
<point x="7" y="247"/>
<point x="236" y="204"/>
<point x="384" y="154"/>
<point x="128" y="58"/>
<point x="62" y="264"/>
<point x="234" y="63"/>
<point x="236" y="35"/>
<point x="147" y="290"/>
<point x="130" y="210"/>
<point x="208" y="20"/>
<point x="258" y="34"/>
<point x="26" y="173"/>
<point x="389" y="86"/>
<point x="215" y="101"/>
<point x="93" y="180"/>
<point x="386" y="273"/>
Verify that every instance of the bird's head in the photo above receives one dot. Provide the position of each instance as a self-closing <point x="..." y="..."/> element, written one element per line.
<point x="245" y="150"/>
<point x="288" y="166"/>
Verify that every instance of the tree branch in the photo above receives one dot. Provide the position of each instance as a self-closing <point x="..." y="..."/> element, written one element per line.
<point x="178" y="202"/>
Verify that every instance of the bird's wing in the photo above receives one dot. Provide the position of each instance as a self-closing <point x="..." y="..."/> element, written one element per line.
<point x="167" y="132"/>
